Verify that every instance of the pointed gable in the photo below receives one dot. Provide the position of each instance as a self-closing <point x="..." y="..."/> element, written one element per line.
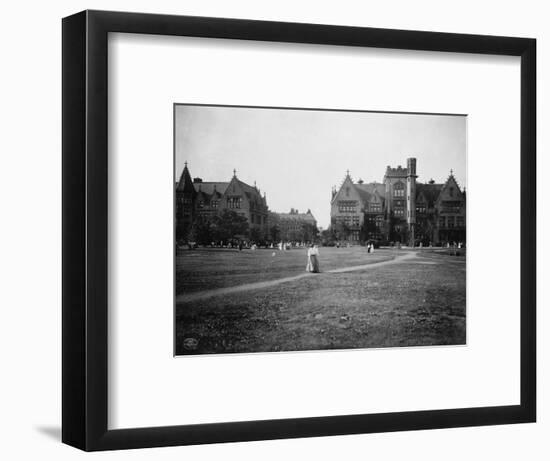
<point x="185" y="184"/>
<point x="250" y="194"/>
<point x="450" y="190"/>
<point x="233" y="187"/>
<point x="349" y="191"/>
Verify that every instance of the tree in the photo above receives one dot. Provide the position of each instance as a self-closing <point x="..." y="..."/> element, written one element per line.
<point x="341" y="230"/>
<point x="200" y="230"/>
<point x="275" y="233"/>
<point x="328" y="237"/>
<point x="309" y="232"/>
<point x="229" y="225"/>
<point x="424" y="230"/>
<point x="255" y="234"/>
<point x="191" y="233"/>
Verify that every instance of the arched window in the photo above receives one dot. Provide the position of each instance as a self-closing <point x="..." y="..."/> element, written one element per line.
<point x="399" y="189"/>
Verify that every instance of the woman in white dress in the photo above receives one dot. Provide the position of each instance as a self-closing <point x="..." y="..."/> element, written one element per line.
<point x="313" y="259"/>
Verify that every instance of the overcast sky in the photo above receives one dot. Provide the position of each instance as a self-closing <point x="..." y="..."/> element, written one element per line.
<point x="296" y="156"/>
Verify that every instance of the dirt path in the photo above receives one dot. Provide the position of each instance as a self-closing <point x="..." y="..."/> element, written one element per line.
<point x="270" y="283"/>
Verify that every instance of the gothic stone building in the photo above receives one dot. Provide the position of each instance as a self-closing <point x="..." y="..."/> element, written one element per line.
<point x="200" y="198"/>
<point x="400" y="209"/>
<point x="293" y="226"/>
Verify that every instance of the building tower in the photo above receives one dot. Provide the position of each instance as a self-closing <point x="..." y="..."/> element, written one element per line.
<point x="185" y="203"/>
<point x="411" y="197"/>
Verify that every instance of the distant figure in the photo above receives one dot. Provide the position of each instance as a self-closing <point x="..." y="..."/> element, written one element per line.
<point x="240" y="246"/>
<point x="313" y="259"/>
<point x="368" y="248"/>
<point x="372" y="247"/>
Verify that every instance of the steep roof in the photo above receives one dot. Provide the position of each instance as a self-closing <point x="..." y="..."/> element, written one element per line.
<point x="451" y="180"/>
<point x="366" y="190"/>
<point x="430" y="191"/>
<point x="185" y="184"/>
<point x="209" y="187"/>
<point x="251" y="191"/>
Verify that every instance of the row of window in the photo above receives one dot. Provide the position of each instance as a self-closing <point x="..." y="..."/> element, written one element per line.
<point x="399" y="190"/>
<point x="213" y="204"/>
<point x="451" y="221"/>
<point x="377" y="220"/>
<point x="234" y="202"/>
<point x="444" y="221"/>
<point x="349" y="220"/>
<point x="347" y="206"/>
<point x="351" y="207"/>
<point x="450" y="209"/>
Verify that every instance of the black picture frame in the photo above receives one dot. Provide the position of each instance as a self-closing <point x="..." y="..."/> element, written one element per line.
<point x="85" y="220"/>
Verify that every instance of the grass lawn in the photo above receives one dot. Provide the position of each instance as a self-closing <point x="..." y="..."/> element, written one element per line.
<point x="208" y="268"/>
<point x="417" y="302"/>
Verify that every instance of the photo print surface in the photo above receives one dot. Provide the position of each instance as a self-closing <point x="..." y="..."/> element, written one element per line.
<point x="315" y="229"/>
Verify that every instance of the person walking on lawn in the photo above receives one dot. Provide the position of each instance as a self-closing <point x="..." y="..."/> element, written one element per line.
<point x="313" y="259"/>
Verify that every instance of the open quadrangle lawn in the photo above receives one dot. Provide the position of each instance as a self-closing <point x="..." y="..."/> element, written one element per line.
<point x="263" y="301"/>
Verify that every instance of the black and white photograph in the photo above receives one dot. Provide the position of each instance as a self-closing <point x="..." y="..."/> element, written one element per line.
<point x="301" y="229"/>
<point x="275" y="231"/>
